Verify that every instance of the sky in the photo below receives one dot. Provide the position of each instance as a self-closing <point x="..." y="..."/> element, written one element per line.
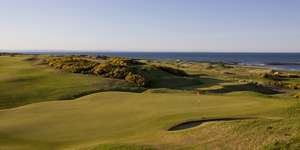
<point x="151" y="25"/>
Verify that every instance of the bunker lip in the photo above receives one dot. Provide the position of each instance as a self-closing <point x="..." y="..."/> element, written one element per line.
<point x="195" y="123"/>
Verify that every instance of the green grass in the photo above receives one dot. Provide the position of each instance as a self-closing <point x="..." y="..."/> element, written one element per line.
<point x="22" y="83"/>
<point x="137" y="121"/>
<point x="112" y="117"/>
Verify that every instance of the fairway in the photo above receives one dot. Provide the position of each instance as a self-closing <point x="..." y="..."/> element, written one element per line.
<point x="118" y="117"/>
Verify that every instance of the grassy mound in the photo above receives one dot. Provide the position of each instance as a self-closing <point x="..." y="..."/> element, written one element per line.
<point x="23" y="83"/>
<point x="116" y="68"/>
<point x="32" y="82"/>
<point x="173" y="71"/>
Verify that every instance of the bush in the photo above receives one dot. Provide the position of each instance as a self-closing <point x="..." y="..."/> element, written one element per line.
<point x="101" y="69"/>
<point x="116" y="68"/>
<point x="123" y="62"/>
<point x="72" y="64"/>
<point x="118" y="72"/>
<point x="111" y="70"/>
<point x="135" y="78"/>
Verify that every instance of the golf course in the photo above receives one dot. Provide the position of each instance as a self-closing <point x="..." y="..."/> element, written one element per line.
<point x="88" y="103"/>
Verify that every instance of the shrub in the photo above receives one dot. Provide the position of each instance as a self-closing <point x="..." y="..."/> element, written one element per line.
<point x="116" y="68"/>
<point x="101" y="69"/>
<point x="118" y="72"/>
<point x="72" y="64"/>
<point x="135" y="78"/>
<point x="123" y="62"/>
<point x="110" y="70"/>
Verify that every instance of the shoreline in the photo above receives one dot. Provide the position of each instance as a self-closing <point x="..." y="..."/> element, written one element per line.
<point x="276" y="65"/>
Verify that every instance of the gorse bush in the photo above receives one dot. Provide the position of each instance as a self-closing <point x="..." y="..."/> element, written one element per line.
<point x="136" y="78"/>
<point x="123" y="62"/>
<point x="109" y="70"/>
<point x="120" y="68"/>
<point x="72" y="64"/>
<point x="116" y="68"/>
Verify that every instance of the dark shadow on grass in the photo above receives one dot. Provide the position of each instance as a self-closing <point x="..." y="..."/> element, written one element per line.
<point x="24" y="79"/>
<point x="184" y="83"/>
<point x="190" y="82"/>
<point x="174" y="82"/>
<point x="85" y="93"/>
<point x="246" y="87"/>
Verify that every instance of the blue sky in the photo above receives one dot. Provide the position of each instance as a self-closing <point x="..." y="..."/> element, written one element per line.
<point x="151" y="25"/>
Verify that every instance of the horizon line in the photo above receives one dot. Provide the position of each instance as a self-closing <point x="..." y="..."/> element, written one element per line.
<point x="132" y="51"/>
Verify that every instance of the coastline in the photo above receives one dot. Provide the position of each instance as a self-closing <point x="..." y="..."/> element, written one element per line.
<point x="276" y="61"/>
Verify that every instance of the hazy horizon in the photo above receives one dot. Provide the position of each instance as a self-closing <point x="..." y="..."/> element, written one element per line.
<point x="134" y="51"/>
<point x="154" y="25"/>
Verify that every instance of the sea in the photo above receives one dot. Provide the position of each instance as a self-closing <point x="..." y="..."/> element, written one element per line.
<point x="277" y="61"/>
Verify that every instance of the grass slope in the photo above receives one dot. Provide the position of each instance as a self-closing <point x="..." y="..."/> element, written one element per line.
<point x="136" y="118"/>
<point x="24" y="83"/>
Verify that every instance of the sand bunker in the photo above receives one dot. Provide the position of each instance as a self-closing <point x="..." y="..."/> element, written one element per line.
<point x="191" y="124"/>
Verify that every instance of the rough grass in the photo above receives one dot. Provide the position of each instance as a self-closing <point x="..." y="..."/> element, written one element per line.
<point x="291" y="144"/>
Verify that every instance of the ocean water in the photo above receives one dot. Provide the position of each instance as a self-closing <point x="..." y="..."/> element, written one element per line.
<point x="284" y="61"/>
